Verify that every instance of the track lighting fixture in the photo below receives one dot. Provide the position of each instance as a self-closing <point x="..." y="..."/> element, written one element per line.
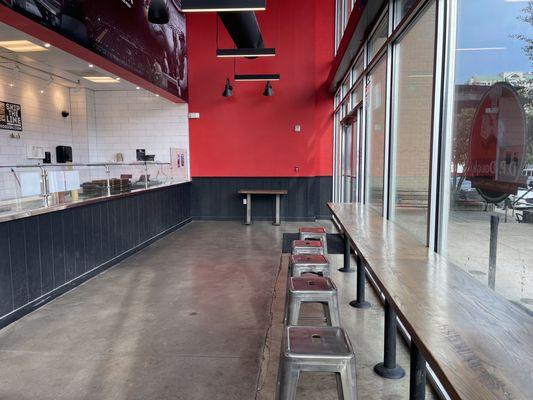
<point x="222" y="5"/>
<point x="268" y="90"/>
<point x="228" y="89"/>
<point x="158" y="12"/>
<point x="248" y="53"/>
<point x="257" y="77"/>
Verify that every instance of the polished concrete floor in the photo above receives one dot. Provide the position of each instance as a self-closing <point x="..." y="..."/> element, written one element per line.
<point x="187" y="318"/>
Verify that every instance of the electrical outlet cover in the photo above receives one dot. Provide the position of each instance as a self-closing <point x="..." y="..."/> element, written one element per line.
<point x="34" y="152"/>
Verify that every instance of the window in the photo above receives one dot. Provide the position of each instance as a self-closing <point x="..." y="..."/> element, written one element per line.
<point x="357" y="68"/>
<point x="338" y="98"/>
<point x="348" y="172"/>
<point x="339" y="28"/>
<point x="378" y="38"/>
<point x="345" y="86"/>
<point x="337" y="157"/>
<point x="402" y="8"/>
<point x="375" y="128"/>
<point x="357" y="95"/>
<point x="411" y="133"/>
<point x="489" y="144"/>
<point x="348" y="11"/>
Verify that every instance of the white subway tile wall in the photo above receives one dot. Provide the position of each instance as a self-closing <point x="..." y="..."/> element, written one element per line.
<point x="126" y="121"/>
<point x="101" y="124"/>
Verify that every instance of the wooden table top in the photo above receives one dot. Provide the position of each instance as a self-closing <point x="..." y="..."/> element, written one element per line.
<point x="477" y="342"/>
<point x="263" y="191"/>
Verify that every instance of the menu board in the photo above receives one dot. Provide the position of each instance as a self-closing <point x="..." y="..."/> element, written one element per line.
<point x="178" y="163"/>
<point x="10" y="116"/>
<point x="119" y="31"/>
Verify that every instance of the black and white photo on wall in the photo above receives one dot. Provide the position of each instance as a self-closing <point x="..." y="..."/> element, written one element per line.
<point x="10" y="116"/>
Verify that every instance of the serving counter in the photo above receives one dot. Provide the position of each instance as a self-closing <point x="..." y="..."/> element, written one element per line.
<point x="47" y="249"/>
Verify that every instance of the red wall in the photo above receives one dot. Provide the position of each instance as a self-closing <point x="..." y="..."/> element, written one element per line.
<point x="250" y="134"/>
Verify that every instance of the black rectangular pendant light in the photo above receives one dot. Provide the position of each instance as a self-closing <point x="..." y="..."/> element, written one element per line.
<point x="264" y="52"/>
<point x="222" y="5"/>
<point x="257" y="77"/>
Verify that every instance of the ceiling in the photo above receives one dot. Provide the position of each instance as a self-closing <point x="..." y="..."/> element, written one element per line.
<point x="65" y="68"/>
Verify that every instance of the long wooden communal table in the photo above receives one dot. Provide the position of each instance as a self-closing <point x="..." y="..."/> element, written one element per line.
<point x="479" y="345"/>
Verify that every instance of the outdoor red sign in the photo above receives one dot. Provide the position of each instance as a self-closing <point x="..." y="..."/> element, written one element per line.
<point x="497" y="143"/>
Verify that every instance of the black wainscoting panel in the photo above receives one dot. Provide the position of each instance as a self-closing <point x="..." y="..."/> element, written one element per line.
<point x="78" y="231"/>
<point x="217" y="198"/>
<point x="88" y="238"/>
<point x="324" y="196"/>
<point x="58" y="248"/>
<point x="50" y="254"/>
<point x="70" y="244"/>
<point x="46" y="248"/>
<point x="33" y="258"/>
<point x="6" y="287"/>
<point x="19" y="275"/>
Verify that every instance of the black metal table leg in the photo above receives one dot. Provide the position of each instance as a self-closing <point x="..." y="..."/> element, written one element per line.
<point x="360" y="302"/>
<point x="388" y="368"/>
<point x="347" y="256"/>
<point x="417" y="384"/>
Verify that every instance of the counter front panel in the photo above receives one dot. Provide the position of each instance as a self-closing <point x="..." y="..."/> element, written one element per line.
<point x="46" y="255"/>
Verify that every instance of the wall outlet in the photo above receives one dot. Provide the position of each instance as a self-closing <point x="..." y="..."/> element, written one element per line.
<point x="297" y="128"/>
<point x="244" y="201"/>
<point x="194" y="115"/>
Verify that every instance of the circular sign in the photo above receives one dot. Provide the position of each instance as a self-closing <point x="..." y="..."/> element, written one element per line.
<point x="497" y="144"/>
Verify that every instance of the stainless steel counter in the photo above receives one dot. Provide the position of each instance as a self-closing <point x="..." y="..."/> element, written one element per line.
<point x="18" y="214"/>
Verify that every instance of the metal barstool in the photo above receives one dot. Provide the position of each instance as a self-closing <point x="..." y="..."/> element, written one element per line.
<point x="316" y="349"/>
<point x="315" y="233"/>
<point x="307" y="247"/>
<point x="312" y="289"/>
<point x="303" y="263"/>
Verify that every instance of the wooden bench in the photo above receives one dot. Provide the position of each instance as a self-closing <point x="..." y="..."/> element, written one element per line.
<point x="263" y="192"/>
<point x="477" y="343"/>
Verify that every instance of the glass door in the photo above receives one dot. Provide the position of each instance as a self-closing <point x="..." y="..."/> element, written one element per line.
<point x="347" y="160"/>
<point x="351" y="157"/>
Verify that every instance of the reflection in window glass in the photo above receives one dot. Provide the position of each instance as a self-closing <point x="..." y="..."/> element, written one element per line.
<point x="411" y="134"/>
<point x="357" y="69"/>
<point x="402" y="8"/>
<point x="339" y="27"/>
<point x="348" y="11"/>
<point x="379" y="37"/>
<point x="345" y="86"/>
<point x="347" y="157"/>
<point x="491" y="147"/>
<point x="355" y="156"/>
<point x="375" y="125"/>
<point x="338" y="98"/>
<point x="357" y="95"/>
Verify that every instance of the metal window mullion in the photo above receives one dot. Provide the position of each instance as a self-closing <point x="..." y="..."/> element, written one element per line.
<point x="387" y="145"/>
<point x="364" y="138"/>
<point x="334" y="172"/>
<point x="447" y="123"/>
<point x="342" y="141"/>
<point x="362" y="149"/>
<point x="336" y="158"/>
<point x="435" y="204"/>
